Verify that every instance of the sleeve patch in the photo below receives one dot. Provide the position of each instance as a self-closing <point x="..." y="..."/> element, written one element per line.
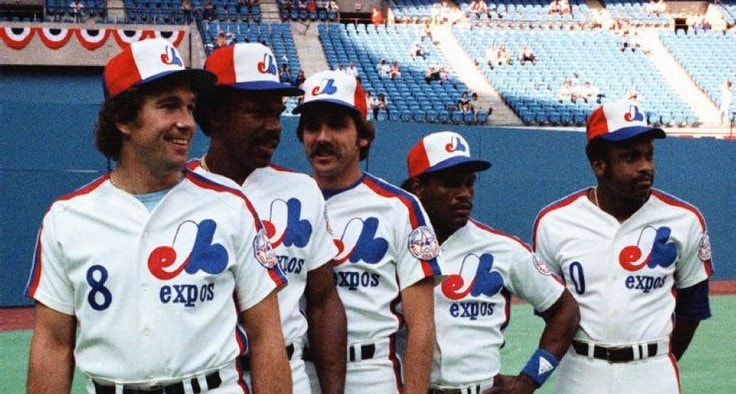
<point x="423" y="243"/>
<point x="263" y="250"/>
<point x="541" y="265"/>
<point x="704" y="253"/>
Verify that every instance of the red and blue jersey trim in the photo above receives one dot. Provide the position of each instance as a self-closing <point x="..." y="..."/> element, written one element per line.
<point x="563" y="202"/>
<point x="416" y="217"/>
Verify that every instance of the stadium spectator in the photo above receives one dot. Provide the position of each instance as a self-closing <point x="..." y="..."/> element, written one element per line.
<point x="209" y="11"/>
<point x="590" y="92"/>
<point x="444" y="74"/>
<point x="285" y="74"/>
<point x="629" y="41"/>
<point x="300" y="78"/>
<point x="383" y="68"/>
<point x="77" y="9"/>
<point x="498" y="56"/>
<point x="465" y="105"/>
<point x="432" y="74"/>
<point x="352" y="70"/>
<point x="395" y="71"/>
<point x="567" y="92"/>
<point x="565" y="7"/>
<point x="554" y="7"/>
<point x="417" y="50"/>
<point x="381" y="104"/>
<point x="527" y="55"/>
<point x="426" y="32"/>
<point x="186" y="10"/>
<point x="478" y="8"/>
<point x="725" y="107"/>
<point x="376" y="16"/>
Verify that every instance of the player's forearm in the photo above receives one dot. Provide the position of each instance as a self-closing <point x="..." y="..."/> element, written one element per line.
<point x="682" y="334"/>
<point x="328" y="342"/>
<point x="418" y="358"/>
<point x="270" y="369"/>
<point x="51" y="362"/>
<point x="50" y="371"/>
<point x="562" y="322"/>
<point x="51" y="365"/>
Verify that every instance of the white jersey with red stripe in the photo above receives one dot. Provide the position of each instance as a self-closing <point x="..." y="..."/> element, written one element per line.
<point x="146" y="287"/>
<point x="387" y="244"/>
<point x="624" y="275"/>
<point x="292" y="210"/>
<point x="483" y="268"/>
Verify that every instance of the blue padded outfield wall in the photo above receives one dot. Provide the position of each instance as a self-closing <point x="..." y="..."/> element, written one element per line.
<point x="47" y="150"/>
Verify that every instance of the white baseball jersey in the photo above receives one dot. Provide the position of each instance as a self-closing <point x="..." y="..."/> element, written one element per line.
<point x="292" y="210"/>
<point x="623" y="275"/>
<point x="387" y="244"/>
<point x="482" y="268"/>
<point x="146" y="287"/>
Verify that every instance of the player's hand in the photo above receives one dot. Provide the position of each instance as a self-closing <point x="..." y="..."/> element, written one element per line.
<point x="519" y="384"/>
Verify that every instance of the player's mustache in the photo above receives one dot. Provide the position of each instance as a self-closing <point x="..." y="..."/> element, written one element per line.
<point x="323" y="148"/>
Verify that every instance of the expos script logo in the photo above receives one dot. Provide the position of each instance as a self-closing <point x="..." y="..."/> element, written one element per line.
<point x="326" y="86"/>
<point x="284" y="224"/>
<point x="476" y="277"/>
<point x="456" y="145"/>
<point x="171" y="57"/>
<point x="653" y="241"/>
<point x="634" y="114"/>
<point x="359" y="242"/>
<point x="268" y="65"/>
<point x="191" y="250"/>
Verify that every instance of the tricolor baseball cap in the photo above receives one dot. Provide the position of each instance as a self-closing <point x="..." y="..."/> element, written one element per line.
<point x="619" y="121"/>
<point x="248" y="66"/>
<point x="146" y="61"/>
<point x="442" y="150"/>
<point x="334" y="87"/>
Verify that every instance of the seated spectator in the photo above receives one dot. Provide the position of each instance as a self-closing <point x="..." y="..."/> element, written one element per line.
<point x="478" y="8"/>
<point x="464" y="105"/>
<point x="395" y="71"/>
<point x="77" y="9"/>
<point x="527" y="55"/>
<point x="221" y="40"/>
<point x="383" y="69"/>
<point x="340" y="68"/>
<point x="312" y="6"/>
<point x="432" y="74"/>
<point x="491" y="52"/>
<point x="209" y="12"/>
<point x="333" y="6"/>
<point x="285" y="74"/>
<point x="565" y="7"/>
<point x="351" y="70"/>
<point x="426" y="32"/>
<point x="566" y="92"/>
<point x="444" y="75"/>
<point x="376" y="16"/>
<point x="555" y="7"/>
<point x="186" y="10"/>
<point x="416" y="51"/>
<point x="590" y="92"/>
<point x="300" y="78"/>
<point x="628" y="41"/>
<point x="381" y="104"/>
<point x="502" y="56"/>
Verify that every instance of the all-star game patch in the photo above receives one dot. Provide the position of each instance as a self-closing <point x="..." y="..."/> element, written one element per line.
<point x="423" y="243"/>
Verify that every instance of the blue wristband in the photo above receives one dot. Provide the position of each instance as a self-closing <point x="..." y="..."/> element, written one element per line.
<point x="540" y="366"/>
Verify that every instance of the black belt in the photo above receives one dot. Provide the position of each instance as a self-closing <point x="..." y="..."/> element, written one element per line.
<point x="466" y="390"/>
<point x="213" y="382"/>
<point x="615" y="355"/>
<point x="245" y="358"/>
<point x="366" y="352"/>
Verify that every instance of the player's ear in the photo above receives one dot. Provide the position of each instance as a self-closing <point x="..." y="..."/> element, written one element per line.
<point x="599" y="167"/>
<point x="124" y="128"/>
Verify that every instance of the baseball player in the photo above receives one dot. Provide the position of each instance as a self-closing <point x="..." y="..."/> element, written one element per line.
<point x="483" y="268"/>
<point x="636" y="259"/>
<point x="242" y="117"/>
<point x="387" y="260"/>
<point x="131" y="270"/>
